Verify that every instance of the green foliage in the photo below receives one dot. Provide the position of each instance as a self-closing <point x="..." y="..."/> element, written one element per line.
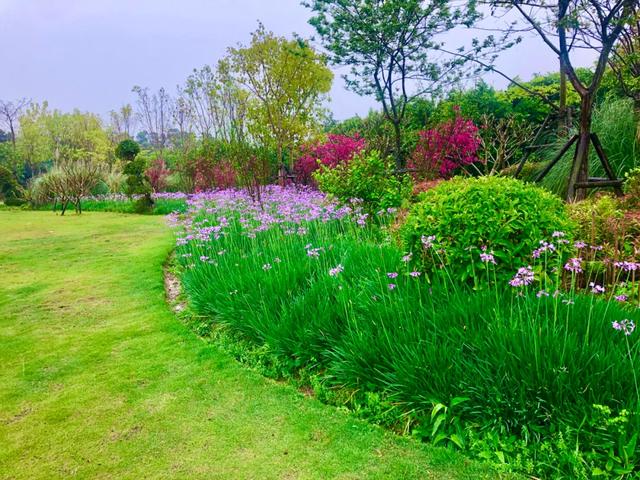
<point x="54" y="135"/>
<point x="615" y="124"/>
<point x="66" y="184"/>
<point x="285" y="82"/>
<point x="510" y="375"/>
<point x="632" y="187"/>
<point x="137" y="183"/>
<point x="597" y="219"/>
<point x="368" y="177"/>
<point x="10" y="190"/>
<point x="127" y="150"/>
<point x="506" y="216"/>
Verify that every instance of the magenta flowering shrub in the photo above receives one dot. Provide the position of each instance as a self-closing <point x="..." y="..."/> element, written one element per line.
<point x="442" y="150"/>
<point x="157" y="174"/>
<point x="335" y="150"/>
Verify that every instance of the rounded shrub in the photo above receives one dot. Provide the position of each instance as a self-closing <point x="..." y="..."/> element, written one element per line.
<point x="127" y="150"/>
<point x="461" y="217"/>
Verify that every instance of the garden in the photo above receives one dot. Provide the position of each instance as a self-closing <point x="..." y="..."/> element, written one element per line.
<point x="461" y="266"/>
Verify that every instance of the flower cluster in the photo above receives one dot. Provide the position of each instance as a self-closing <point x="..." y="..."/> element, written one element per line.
<point x="626" y="326"/>
<point x="522" y="278"/>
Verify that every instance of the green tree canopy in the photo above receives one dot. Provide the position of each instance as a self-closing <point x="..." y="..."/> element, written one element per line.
<point x="286" y="82"/>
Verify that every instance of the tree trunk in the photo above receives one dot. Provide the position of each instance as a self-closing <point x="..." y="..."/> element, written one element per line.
<point x="13" y="134"/>
<point x="562" y="111"/>
<point x="397" y="151"/>
<point x="580" y="167"/>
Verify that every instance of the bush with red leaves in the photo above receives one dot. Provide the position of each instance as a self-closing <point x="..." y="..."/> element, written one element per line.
<point x="446" y="148"/>
<point x="335" y="150"/>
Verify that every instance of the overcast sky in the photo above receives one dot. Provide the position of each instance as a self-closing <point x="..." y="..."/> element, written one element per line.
<point x="88" y="54"/>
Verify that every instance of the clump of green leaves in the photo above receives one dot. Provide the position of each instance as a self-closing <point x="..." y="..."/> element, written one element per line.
<point x="368" y="177"/>
<point x="137" y="182"/>
<point x="505" y="215"/>
<point x="632" y="187"/>
<point x="10" y="190"/>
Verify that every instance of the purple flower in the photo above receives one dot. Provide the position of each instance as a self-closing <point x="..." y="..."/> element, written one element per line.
<point x="415" y="274"/>
<point x="523" y="277"/>
<point x="427" y="242"/>
<point x="392" y="275"/>
<point x="407" y="258"/>
<point x="574" y="265"/>
<point x="335" y="271"/>
<point x="204" y="258"/>
<point x="596" y="289"/>
<point x="579" y="244"/>
<point x="487" y="257"/>
<point x="558" y="234"/>
<point x="627" y="326"/>
<point x="627" y="266"/>
<point x="544" y="247"/>
<point x="621" y="298"/>
<point x="391" y="286"/>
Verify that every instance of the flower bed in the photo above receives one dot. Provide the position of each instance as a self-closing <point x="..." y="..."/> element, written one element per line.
<point x="518" y="372"/>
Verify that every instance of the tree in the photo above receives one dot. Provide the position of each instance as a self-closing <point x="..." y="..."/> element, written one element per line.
<point x="137" y="182"/>
<point x="122" y="122"/>
<point x="127" y="150"/>
<point x="155" y="114"/>
<point x="285" y="81"/>
<point x="567" y="26"/>
<point x="216" y="104"/>
<point x="10" y="113"/>
<point x="393" y="49"/>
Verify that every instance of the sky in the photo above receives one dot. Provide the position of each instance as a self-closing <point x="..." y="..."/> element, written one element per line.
<point x="88" y="54"/>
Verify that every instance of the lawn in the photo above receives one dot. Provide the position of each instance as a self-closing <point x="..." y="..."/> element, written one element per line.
<point x="98" y="379"/>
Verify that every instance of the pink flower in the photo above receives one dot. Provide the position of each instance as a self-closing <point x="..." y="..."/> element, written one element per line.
<point x="627" y="326"/>
<point x="334" y="272"/>
<point x="574" y="265"/>
<point x="391" y="286"/>
<point x="487" y="257"/>
<point x="392" y="275"/>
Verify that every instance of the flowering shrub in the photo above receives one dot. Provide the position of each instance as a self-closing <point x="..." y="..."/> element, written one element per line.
<point x="157" y="174"/>
<point x="367" y="177"/>
<point x="444" y="149"/>
<point x="504" y="215"/>
<point x="335" y="150"/>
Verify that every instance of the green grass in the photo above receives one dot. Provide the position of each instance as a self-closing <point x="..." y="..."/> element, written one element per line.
<point x="99" y="380"/>
<point x="162" y="206"/>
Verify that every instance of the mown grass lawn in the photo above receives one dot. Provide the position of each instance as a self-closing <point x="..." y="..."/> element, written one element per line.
<point x="99" y="380"/>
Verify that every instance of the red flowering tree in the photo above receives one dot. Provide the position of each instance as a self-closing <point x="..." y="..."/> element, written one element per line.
<point x="449" y="146"/>
<point x="208" y="174"/>
<point x="335" y="150"/>
<point x="157" y="174"/>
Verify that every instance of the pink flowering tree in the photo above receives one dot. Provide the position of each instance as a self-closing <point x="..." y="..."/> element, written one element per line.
<point x="446" y="148"/>
<point x="157" y="174"/>
<point x="337" y="149"/>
